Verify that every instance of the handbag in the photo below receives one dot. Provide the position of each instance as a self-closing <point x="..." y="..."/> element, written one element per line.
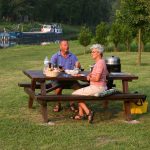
<point x="139" y="107"/>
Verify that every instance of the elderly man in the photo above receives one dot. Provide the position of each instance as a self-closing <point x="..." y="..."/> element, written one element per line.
<point x="67" y="60"/>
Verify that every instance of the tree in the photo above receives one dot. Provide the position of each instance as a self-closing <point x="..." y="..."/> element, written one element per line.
<point x="0" y="9"/>
<point x="85" y="37"/>
<point x="135" y="13"/>
<point x="116" y="34"/>
<point x="63" y="11"/>
<point x="127" y="36"/>
<point x="101" y="33"/>
<point x="145" y="37"/>
<point x="13" y="9"/>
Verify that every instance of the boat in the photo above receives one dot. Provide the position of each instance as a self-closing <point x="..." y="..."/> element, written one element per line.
<point x="53" y="28"/>
<point x="47" y="33"/>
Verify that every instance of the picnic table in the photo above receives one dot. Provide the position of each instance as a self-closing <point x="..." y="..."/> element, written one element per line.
<point x="37" y="77"/>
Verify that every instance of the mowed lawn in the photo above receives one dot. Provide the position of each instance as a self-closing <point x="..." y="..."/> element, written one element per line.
<point x="22" y="129"/>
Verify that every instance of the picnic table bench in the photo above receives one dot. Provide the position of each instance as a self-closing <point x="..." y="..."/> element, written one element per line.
<point x="38" y="81"/>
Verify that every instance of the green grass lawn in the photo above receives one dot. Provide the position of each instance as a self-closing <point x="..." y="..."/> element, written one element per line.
<point x="21" y="128"/>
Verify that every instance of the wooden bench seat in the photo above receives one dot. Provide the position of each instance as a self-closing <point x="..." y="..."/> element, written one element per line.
<point x="49" y="87"/>
<point x="114" y="97"/>
<point x="28" y="85"/>
<point x="125" y="97"/>
<point x="53" y="98"/>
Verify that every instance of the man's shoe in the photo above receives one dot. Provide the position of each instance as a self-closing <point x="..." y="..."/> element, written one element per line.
<point x="91" y="116"/>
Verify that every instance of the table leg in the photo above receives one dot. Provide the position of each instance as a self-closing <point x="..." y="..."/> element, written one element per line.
<point x="30" y="102"/>
<point x="105" y="104"/>
<point x="125" y="86"/>
<point x="127" y="111"/>
<point x="44" y="112"/>
<point x="126" y="103"/>
<point x="44" y="103"/>
<point x="43" y="88"/>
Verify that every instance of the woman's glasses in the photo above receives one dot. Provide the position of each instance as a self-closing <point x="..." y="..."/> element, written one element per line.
<point x="93" y="51"/>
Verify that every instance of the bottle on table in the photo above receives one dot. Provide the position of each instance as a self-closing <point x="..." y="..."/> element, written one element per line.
<point x="60" y="67"/>
<point x="46" y="64"/>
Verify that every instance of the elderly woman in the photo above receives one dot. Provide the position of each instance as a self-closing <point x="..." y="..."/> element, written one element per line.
<point x="97" y="79"/>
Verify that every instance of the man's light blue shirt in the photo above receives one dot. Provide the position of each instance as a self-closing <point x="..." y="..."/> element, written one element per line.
<point x="66" y="63"/>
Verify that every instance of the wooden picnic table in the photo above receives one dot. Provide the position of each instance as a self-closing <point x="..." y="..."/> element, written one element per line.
<point x="38" y="76"/>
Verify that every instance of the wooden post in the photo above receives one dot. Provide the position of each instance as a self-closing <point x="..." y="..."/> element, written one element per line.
<point x="126" y="103"/>
<point x="30" y="102"/>
<point x="44" y="111"/>
<point x="128" y="45"/>
<point x="44" y="103"/>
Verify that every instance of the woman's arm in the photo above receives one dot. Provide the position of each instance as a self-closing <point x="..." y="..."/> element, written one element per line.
<point x="94" y="78"/>
<point x="97" y="71"/>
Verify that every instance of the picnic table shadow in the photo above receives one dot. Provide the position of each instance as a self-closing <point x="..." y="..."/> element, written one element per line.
<point x="101" y="114"/>
<point x="114" y="110"/>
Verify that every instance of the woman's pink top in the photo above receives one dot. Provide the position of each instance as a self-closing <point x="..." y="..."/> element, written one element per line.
<point x="100" y="68"/>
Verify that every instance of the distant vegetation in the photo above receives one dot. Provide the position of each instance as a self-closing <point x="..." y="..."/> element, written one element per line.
<point x="132" y="22"/>
<point x="75" y="12"/>
<point x="112" y="22"/>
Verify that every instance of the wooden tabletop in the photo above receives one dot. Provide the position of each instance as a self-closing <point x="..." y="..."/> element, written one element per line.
<point x="39" y="76"/>
<point x="122" y="76"/>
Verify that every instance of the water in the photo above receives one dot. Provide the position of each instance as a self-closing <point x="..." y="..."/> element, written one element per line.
<point x="5" y="44"/>
<point x="38" y="39"/>
<point x="29" y="39"/>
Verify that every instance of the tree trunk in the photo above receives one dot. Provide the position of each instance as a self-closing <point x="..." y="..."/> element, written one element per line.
<point x="84" y="50"/>
<point x="128" y="45"/>
<point x="139" y="47"/>
<point x="116" y="47"/>
<point x="142" y="46"/>
<point x="22" y="28"/>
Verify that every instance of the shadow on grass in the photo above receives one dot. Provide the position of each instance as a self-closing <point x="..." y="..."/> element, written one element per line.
<point x="145" y="64"/>
<point x="112" y="112"/>
<point x="115" y="110"/>
<point x="101" y="114"/>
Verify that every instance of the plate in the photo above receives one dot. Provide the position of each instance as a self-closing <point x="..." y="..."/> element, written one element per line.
<point x="72" y="72"/>
<point x="82" y="75"/>
<point x="119" y="73"/>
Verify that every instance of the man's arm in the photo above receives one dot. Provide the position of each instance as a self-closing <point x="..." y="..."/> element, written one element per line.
<point x="53" y="59"/>
<point x="77" y="64"/>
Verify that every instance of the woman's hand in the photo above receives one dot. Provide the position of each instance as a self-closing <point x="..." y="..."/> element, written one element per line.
<point x="88" y="77"/>
<point x="94" y="78"/>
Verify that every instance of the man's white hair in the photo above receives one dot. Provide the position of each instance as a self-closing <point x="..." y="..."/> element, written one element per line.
<point x="98" y="47"/>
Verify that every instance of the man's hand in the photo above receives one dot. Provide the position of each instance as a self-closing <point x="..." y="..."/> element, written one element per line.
<point x="77" y="65"/>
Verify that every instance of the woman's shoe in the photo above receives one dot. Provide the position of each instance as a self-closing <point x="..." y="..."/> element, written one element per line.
<point x="78" y="117"/>
<point x="91" y="116"/>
